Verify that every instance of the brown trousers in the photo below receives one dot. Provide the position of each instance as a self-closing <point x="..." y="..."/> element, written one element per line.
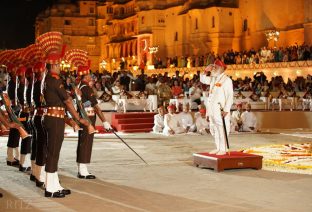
<point x="40" y="139"/>
<point x="14" y="136"/>
<point x="26" y="142"/>
<point x="85" y="142"/>
<point x="55" y="135"/>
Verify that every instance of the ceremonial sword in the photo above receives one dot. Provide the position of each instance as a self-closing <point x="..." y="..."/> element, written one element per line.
<point x="224" y="128"/>
<point x="113" y="131"/>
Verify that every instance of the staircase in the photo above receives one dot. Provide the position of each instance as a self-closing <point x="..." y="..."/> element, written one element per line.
<point x="132" y="122"/>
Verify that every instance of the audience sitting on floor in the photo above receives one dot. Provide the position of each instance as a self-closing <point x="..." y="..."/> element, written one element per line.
<point x="186" y="119"/>
<point x="172" y="122"/>
<point x="202" y="122"/>
<point x="159" y="121"/>
<point x="249" y="120"/>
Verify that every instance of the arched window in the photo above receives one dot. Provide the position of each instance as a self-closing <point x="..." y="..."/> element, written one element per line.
<point x="245" y="25"/>
<point x="131" y="49"/>
<point x="196" y="23"/>
<point x="107" y="51"/>
<point x="213" y="22"/>
<point x="126" y="50"/>
<point x="122" y="11"/>
<point x="121" y="51"/>
<point x="142" y="20"/>
<point x="176" y="37"/>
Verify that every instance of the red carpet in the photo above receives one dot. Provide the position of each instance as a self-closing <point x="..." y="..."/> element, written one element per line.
<point x="133" y="122"/>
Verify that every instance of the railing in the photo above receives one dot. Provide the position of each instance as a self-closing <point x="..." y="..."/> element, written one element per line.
<point x="123" y="16"/>
<point x="285" y="69"/>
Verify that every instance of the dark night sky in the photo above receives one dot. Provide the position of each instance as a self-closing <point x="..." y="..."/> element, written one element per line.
<point x="17" y="20"/>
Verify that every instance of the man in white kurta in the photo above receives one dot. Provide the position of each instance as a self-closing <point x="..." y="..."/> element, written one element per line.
<point x="186" y="119"/>
<point x="220" y="96"/>
<point x="171" y="122"/>
<point x="249" y="120"/>
<point x="201" y="122"/>
<point x="159" y="121"/>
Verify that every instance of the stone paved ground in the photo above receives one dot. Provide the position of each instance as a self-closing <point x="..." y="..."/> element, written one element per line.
<point x="168" y="183"/>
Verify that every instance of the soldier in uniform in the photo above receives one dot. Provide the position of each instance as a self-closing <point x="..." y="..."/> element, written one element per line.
<point x="14" y="136"/>
<point x="25" y="164"/>
<point x="85" y="140"/>
<point x="28" y="97"/>
<point x="56" y="99"/>
<point x="39" y="136"/>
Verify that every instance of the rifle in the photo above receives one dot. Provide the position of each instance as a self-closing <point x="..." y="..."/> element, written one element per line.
<point x="12" y="116"/>
<point x="81" y="109"/>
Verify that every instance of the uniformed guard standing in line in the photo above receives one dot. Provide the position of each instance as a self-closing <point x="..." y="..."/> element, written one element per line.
<point x="85" y="140"/>
<point x="56" y="99"/>
<point x="14" y="136"/>
<point x="40" y="136"/>
<point x="28" y="97"/>
<point x="25" y="164"/>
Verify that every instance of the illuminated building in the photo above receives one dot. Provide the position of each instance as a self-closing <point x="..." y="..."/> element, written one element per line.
<point x="124" y="31"/>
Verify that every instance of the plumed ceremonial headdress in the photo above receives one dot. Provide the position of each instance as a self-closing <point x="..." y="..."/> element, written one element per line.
<point x="21" y="70"/>
<point x="78" y="58"/>
<point x="29" y="72"/>
<point x="14" y="60"/>
<point x="39" y="67"/>
<point x="51" y="44"/>
<point x="31" y="55"/>
<point x="4" y="55"/>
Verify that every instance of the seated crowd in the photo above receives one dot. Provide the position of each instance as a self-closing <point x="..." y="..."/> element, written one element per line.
<point x="173" y="123"/>
<point x="166" y="88"/>
<point x="230" y="57"/>
<point x="122" y="83"/>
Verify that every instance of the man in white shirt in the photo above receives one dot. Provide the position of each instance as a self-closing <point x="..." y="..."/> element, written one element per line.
<point x="236" y="118"/>
<point x="220" y="96"/>
<point x="249" y="120"/>
<point x="202" y="123"/>
<point x="159" y="121"/>
<point x="186" y="119"/>
<point x="171" y="122"/>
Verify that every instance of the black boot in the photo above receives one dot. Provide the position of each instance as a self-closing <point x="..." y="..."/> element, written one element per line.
<point x="32" y="178"/>
<point x="89" y="177"/>
<point x="13" y="163"/>
<point x="57" y="194"/>
<point x="65" y="191"/>
<point x="24" y="169"/>
<point x="39" y="184"/>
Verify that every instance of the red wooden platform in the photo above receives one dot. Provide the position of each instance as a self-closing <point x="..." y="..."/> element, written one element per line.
<point x="133" y="122"/>
<point x="234" y="160"/>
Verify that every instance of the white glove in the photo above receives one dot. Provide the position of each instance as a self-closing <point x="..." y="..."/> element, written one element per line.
<point x="107" y="126"/>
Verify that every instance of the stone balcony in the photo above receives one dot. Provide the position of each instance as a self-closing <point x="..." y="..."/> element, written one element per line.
<point x="285" y="69"/>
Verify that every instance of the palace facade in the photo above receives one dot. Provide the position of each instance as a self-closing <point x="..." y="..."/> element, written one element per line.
<point x="133" y="33"/>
